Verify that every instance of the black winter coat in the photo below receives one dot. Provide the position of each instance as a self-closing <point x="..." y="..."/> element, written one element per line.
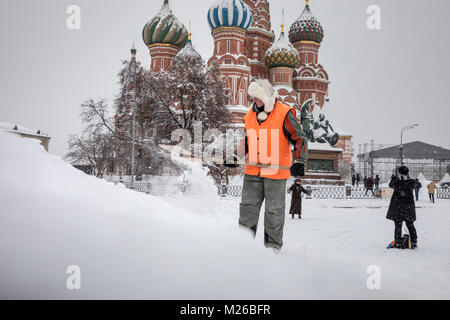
<point x="296" y="201"/>
<point x="402" y="207"/>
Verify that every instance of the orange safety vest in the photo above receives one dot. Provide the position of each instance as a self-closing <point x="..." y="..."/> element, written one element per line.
<point x="268" y="145"/>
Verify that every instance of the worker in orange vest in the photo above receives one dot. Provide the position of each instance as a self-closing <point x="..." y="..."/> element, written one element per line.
<point x="271" y="128"/>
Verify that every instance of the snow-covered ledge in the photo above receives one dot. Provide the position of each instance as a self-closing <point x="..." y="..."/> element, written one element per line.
<point x="322" y="147"/>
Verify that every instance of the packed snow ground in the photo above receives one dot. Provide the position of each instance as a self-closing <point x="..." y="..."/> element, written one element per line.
<point x="130" y="245"/>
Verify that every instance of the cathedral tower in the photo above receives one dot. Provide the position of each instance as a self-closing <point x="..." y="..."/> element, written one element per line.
<point x="310" y="79"/>
<point x="259" y="37"/>
<point x="282" y="58"/>
<point x="229" y="21"/>
<point x="164" y="35"/>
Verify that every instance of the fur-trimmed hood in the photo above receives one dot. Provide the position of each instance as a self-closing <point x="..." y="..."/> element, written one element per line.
<point x="262" y="89"/>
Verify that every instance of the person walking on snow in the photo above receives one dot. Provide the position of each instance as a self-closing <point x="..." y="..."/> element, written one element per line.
<point x="271" y="128"/>
<point x="417" y="188"/>
<point x="402" y="206"/>
<point x="296" y="202"/>
<point x="353" y="180"/>
<point x="431" y="190"/>
<point x="369" y="186"/>
<point x="377" y="181"/>
<point x="358" y="180"/>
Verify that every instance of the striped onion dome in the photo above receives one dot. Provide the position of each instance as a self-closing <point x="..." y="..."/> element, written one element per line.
<point x="229" y="13"/>
<point x="188" y="51"/>
<point x="306" y="27"/>
<point x="165" y="28"/>
<point x="282" y="54"/>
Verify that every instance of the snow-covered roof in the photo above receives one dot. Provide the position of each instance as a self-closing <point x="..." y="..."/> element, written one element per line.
<point x="15" y="128"/>
<point x="322" y="147"/>
<point x="445" y="179"/>
<point x="413" y="150"/>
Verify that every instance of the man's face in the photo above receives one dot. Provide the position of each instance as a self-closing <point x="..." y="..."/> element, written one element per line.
<point x="258" y="102"/>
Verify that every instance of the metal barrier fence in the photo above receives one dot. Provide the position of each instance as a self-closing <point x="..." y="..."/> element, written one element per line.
<point x="443" y="193"/>
<point x="317" y="192"/>
<point x="156" y="188"/>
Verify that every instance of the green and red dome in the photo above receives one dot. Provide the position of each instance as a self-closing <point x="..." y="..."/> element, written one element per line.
<point x="282" y="54"/>
<point x="165" y="28"/>
<point x="306" y="28"/>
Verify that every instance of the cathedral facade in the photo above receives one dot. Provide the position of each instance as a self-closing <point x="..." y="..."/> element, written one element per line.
<point x="246" y="48"/>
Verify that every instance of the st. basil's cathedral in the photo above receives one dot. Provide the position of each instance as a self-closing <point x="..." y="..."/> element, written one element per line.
<point x="246" y="48"/>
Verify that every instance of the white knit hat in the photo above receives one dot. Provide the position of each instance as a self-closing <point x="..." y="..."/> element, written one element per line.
<point x="262" y="89"/>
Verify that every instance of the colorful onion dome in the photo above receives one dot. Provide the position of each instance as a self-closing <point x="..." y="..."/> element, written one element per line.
<point x="282" y="53"/>
<point x="188" y="51"/>
<point x="165" y="28"/>
<point x="229" y="13"/>
<point x="306" y="27"/>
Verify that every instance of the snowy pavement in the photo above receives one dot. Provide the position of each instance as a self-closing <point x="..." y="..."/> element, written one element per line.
<point x="134" y="246"/>
<point x="354" y="234"/>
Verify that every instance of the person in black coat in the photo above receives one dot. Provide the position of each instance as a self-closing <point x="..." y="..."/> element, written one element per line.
<point x="377" y="181"/>
<point x="296" y="202"/>
<point x="417" y="188"/>
<point x="369" y="186"/>
<point x="353" y="180"/>
<point x="365" y="182"/>
<point x="402" y="206"/>
<point x="358" y="180"/>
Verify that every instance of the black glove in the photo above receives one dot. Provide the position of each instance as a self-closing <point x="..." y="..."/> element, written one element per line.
<point x="298" y="170"/>
<point x="231" y="162"/>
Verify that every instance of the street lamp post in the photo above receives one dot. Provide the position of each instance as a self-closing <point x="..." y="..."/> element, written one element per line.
<point x="401" y="141"/>
<point x="133" y="74"/>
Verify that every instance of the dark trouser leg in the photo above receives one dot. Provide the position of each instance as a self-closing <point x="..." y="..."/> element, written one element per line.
<point x="252" y="199"/>
<point x="398" y="231"/>
<point x="432" y="195"/>
<point x="275" y="195"/>
<point x="412" y="231"/>
<point x="417" y="195"/>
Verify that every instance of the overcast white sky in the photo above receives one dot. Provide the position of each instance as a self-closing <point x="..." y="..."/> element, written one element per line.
<point x="381" y="80"/>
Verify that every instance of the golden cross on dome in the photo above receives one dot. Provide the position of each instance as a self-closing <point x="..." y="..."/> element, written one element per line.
<point x="282" y="21"/>
<point x="190" y="34"/>
<point x="307" y="3"/>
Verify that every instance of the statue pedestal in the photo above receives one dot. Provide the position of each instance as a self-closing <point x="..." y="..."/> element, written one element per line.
<point x="322" y="166"/>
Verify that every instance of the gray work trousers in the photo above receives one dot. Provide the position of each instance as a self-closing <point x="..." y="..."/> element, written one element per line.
<point x="254" y="192"/>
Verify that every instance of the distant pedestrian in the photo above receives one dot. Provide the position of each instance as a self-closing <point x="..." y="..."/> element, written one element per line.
<point x="377" y="181"/>
<point x="296" y="202"/>
<point x="353" y="180"/>
<point x="431" y="190"/>
<point x="358" y="180"/>
<point x="402" y="206"/>
<point x="417" y="188"/>
<point x="365" y="182"/>
<point x="369" y="186"/>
